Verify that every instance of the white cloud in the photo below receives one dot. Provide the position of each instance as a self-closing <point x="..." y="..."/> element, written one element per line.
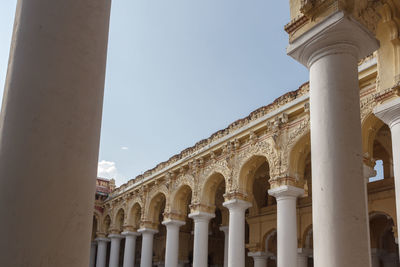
<point x="124" y="148"/>
<point x="108" y="169"/>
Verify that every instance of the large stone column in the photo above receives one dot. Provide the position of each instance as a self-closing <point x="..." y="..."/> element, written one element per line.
<point x="50" y="130"/>
<point x="172" y="243"/>
<point x="225" y="229"/>
<point x="259" y="258"/>
<point x="236" y="250"/>
<point x="200" y="246"/>
<point x="286" y="197"/>
<point x="390" y="113"/>
<point x="130" y="248"/>
<point x="101" y="252"/>
<point x="146" y="259"/>
<point x="92" y="259"/>
<point x="114" y="251"/>
<point x="331" y="50"/>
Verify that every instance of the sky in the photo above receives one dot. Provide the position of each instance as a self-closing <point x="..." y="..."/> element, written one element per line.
<point x="178" y="71"/>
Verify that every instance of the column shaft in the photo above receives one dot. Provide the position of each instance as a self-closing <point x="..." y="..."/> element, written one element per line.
<point x="147" y="247"/>
<point x="101" y="252"/>
<point x="114" y="251"/>
<point x="50" y="131"/>
<point x="225" y="229"/>
<point x="92" y="260"/>
<point x="286" y="197"/>
<point x="172" y="243"/>
<point x="236" y="248"/>
<point x="339" y="207"/>
<point x="200" y="246"/>
<point x="130" y="248"/>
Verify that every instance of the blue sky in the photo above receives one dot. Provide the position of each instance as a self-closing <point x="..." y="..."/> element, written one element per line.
<point x="179" y="71"/>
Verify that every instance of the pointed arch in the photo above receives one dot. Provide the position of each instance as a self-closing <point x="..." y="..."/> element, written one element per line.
<point x="180" y="200"/>
<point x="298" y="155"/>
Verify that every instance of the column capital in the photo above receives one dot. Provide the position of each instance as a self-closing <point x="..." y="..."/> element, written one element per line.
<point x="201" y="216"/>
<point x="102" y="239"/>
<point x="115" y="236"/>
<point x="305" y="251"/>
<point x="237" y="204"/>
<point x="129" y="233"/>
<point x="173" y="222"/>
<point x="389" y="112"/>
<point x="338" y="33"/>
<point x="285" y="191"/>
<point x="147" y="231"/>
<point x="258" y="255"/>
<point x="224" y="228"/>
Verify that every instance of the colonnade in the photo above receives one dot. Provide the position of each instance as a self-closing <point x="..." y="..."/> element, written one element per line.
<point x="234" y="241"/>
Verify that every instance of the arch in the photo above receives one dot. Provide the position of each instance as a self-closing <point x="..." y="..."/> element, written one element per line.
<point x="298" y="155"/>
<point x="156" y="204"/>
<point x="266" y="241"/>
<point x="263" y="149"/>
<point x="106" y="223"/>
<point x="118" y="220"/>
<point x="209" y="189"/>
<point x="381" y="227"/>
<point x="180" y="200"/>
<point x="134" y="215"/>
<point x="247" y="173"/>
<point x="369" y="128"/>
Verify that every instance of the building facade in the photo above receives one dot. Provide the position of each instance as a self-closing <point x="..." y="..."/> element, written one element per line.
<point x="291" y="184"/>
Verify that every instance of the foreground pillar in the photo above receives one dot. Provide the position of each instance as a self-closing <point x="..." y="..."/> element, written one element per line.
<point x="172" y="243"/>
<point x="146" y="259"/>
<point x="390" y="114"/>
<point x="130" y="248"/>
<point x="331" y="50"/>
<point x="200" y="246"/>
<point x="92" y="259"/>
<point x="101" y="252"/>
<point x="114" y="251"/>
<point x="236" y="250"/>
<point x="286" y="197"/>
<point x="259" y="258"/>
<point x="50" y="130"/>
<point x="225" y="229"/>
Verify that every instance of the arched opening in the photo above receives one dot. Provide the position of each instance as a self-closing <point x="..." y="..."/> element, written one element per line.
<point x="270" y="247"/>
<point x="261" y="198"/>
<point x="156" y="216"/>
<point x="106" y="224"/>
<point x="377" y="147"/>
<point x="383" y="245"/>
<point x="249" y="171"/>
<point x="382" y="154"/>
<point x="300" y="163"/>
<point x="215" y="182"/>
<point x="119" y="220"/>
<point x="180" y="203"/>
<point x="134" y="215"/>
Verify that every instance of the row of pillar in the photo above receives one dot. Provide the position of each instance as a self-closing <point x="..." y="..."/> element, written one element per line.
<point x="234" y="249"/>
